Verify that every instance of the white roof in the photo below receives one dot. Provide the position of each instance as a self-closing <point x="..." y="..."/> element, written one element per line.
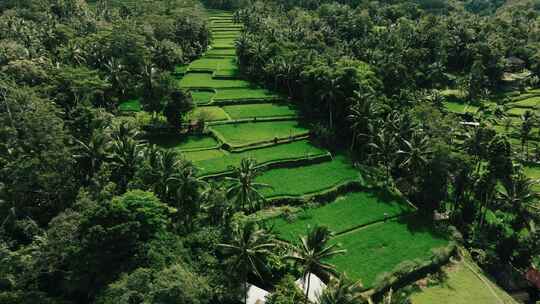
<point x="256" y="295"/>
<point x="316" y="286"/>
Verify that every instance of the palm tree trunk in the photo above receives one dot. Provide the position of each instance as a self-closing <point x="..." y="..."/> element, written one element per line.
<point x="330" y="112"/>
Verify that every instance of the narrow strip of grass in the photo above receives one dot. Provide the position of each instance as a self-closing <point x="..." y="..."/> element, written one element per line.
<point x="244" y="94"/>
<point x="180" y="143"/>
<point x="131" y="105"/>
<point x="202" y="97"/>
<point x="346" y="212"/>
<point x="205" y="80"/>
<point x="196" y="156"/>
<point x="208" y="114"/>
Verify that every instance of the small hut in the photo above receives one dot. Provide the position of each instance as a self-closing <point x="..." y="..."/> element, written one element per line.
<point x="256" y="295"/>
<point x="514" y="64"/>
<point x="316" y="286"/>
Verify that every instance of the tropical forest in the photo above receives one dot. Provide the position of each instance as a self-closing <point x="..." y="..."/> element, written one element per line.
<point x="269" y="151"/>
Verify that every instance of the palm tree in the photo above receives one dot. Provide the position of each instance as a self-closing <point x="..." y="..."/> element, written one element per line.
<point x="186" y="188"/>
<point x="125" y="156"/>
<point x="519" y="193"/>
<point x="93" y="152"/>
<point x="248" y="247"/>
<point x="342" y="291"/>
<point x="415" y="152"/>
<point x="311" y="251"/>
<point x="244" y="190"/>
<point x="384" y="149"/>
<point x="362" y="113"/>
<point x="329" y="93"/>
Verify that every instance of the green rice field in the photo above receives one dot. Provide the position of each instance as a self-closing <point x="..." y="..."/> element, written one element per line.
<point x="202" y="97"/>
<point x="310" y="179"/>
<point x="205" y="80"/>
<point x="346" y="212"/>
<point x="244" y="94"/>
<point x="185" y="143"/>
<point x="213" y="64"/>
<point x="294" y="150"/>
<point x="221" y="52"/>
<point x="208" y="113"/>
<point x="533" y="102"/>
<point x="258" y="110"/>
<point x="247" y="133"/>
<point x="380" y="247"/>
<point x="201" y="155"/>
<point x="460" y="108"/>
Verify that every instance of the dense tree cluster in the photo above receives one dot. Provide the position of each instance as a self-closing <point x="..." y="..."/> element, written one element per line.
<point x="369" y="74"/>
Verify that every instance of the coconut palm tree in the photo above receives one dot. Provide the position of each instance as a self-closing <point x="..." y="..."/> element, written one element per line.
<point x="415" y="152"/>
<point x="93" y="152"/>
<point x="244" y="190"/>
<point x="125" y="156"/>
<point x="342" y="291"/>
<point x="362" y="113"/>
<point x="521" y="196"/>
<point x="329" y="93"/>
<point x="310" y="253"/>
<point x="248" y="248"/>
<point x="384" y="150"/>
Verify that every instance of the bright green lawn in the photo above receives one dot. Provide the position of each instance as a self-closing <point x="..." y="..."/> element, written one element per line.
<point x="460" y="107"/>
<point x="132" y="105"/>
<point x="294" y="150"/>
<point x="462" y="286"/>
<point x="185" y="143"/>
<point x="205" y="80"/>
<point x="381" y="247"/>
<point x="534" y="173"/>
<point x="346" y="212"/>
<point x="225" y="73"/>
<point x="202" y="97"/>
<point x="258" y="110"/>
<point x="308" y="179"/>
<point x="208" y="113"/>
<point x="244" y="94"/>
<point x="253" y="132"/>
<point x="223" y="42"/>
<point x="196" y="156"/>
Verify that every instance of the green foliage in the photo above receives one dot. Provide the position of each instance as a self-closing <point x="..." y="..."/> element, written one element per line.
<point x="178" y="105"/>
<point x="286" y="292"/>
<point x="246" y="133"/>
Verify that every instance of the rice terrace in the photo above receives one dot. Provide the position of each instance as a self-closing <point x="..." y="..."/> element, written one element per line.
<point x="279" y="152"/>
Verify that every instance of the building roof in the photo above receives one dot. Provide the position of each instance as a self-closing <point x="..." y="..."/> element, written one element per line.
<point x="256" y="295"/>
<point x="533" y="276"/>
<point x="316" y="286"/>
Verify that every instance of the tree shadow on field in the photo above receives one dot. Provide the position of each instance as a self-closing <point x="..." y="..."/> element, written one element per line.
<point x="421" y="223"/>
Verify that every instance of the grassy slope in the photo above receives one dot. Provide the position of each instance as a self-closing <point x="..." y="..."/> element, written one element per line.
<point x="259" y="110"/>
<point x="462" y="286"/>
<point x="185" y="143"/>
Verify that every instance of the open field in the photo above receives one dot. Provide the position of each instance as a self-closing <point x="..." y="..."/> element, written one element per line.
<point x="346" y="212"/>
<point x="463" y="286"/>
<point x="244" y="94"/>
<point x="205" y="80"/>
<point x="294" y="150"/>
<point x="185" y="143"/>
<point x="310" y="179"/>
<point x="460" y="108"/>
<point x="258" y="110"/>
<point x="532" y="102"/>
<point x="380" y="247"/>
<point x="253" y="132"/>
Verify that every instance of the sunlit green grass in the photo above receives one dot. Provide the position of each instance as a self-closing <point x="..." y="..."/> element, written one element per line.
<point x="346" y="212"/>
<point x="533" y="102"/>
<point x="460" y="108"/>
<point x="244" y="94"/>
<point x="222" y="52"/>
<point x="253" y="132"/>
<point x="205" y="80"/>
<point x="202" y="97"/>
<point x="258" y="110"/>
<point x="381" y="247"/>
<point x="212" y="64"/>
<point x="309" y="179"/>
<point x="294" y="150"/>
<point x="208" y="114"/>
<point x="184" y="142"/>
<point x="203" y="154"/>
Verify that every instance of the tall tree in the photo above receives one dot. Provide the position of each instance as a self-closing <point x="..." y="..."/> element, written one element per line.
<point x="248" y="248"/>
<point x="311" y="252"/>
<point x="244" y="190"/>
